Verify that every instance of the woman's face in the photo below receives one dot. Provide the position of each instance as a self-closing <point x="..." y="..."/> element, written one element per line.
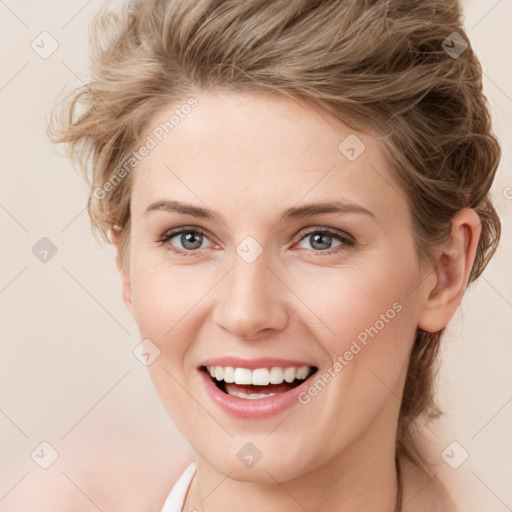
<point x="252" y="283"/>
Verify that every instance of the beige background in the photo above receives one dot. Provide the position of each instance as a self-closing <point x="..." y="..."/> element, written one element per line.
<point x="68" y="374"/>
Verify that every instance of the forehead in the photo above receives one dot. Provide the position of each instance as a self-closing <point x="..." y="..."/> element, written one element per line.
<point x="261" y="151"/>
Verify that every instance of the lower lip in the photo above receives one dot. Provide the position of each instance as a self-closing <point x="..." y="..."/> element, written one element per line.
<point x="252" y="409"/>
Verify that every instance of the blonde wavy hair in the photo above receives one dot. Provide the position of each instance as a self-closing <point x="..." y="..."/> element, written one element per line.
<point x="377" y="65"/>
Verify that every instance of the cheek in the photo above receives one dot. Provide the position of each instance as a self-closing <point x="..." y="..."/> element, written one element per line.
<point x="365" y="320"/>
<point x="352" y="300"/>
<point x="166" y="302"/>
<point x="167" y="305"/>
<point x="373" y="325"/>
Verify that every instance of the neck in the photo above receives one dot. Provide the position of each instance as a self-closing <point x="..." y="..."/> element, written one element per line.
<point x="362" y="477"/>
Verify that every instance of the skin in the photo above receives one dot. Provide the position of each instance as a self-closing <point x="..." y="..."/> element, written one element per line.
<point x="249" y="156"/>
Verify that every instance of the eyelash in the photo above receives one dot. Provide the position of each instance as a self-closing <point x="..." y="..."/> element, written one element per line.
<point x="346" y="240"/>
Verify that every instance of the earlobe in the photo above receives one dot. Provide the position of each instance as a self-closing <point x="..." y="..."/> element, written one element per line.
<point x="454" y="263"/>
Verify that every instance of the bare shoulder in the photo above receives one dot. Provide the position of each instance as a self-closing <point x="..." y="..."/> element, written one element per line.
<point x="423" y="492"/>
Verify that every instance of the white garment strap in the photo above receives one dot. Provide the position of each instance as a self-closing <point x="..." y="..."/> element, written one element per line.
<point x="176" y="498"/>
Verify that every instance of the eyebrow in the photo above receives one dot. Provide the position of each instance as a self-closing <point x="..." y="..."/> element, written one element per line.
<point x="295" y="212"/>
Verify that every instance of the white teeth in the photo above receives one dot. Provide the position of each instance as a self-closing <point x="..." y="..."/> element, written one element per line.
<point x="289" y="374"/>
<point x="276" y="375"/>
<point x="243" y="376"/>
<point x="302" y="372"/>
<point x="250" y="396"/>
<point x="229" y="374"/>
<point x="259" y="376"/>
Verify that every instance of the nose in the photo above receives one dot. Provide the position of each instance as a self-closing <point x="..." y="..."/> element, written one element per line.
<point x="251" y="300"/>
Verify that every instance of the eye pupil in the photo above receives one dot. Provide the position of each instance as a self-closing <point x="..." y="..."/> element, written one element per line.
<point x="320" y="238"/>
<point x="191" y="238"/>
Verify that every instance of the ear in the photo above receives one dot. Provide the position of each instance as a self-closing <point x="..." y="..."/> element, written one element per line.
<point x="451" y="273"/>
<point x="124" y="271"/>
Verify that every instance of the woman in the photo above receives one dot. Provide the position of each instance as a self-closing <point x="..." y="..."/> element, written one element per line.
<point x="298" y="196"/>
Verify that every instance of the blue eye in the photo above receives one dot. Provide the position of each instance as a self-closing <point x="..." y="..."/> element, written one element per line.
<point x="321" y="240"/>
<point x="190" y="239"/>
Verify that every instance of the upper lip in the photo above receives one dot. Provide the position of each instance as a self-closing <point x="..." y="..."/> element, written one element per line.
<point x="252" y="364"/>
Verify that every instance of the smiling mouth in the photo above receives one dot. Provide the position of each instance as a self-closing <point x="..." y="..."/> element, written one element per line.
<point x="258" y="383"/>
